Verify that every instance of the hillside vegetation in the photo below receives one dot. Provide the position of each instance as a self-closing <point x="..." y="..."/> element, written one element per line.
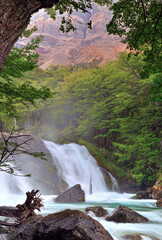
<point x="110" y="107"/>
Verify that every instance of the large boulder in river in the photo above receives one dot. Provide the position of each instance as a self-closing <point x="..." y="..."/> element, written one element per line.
<point x="72" y="225"/>
<point x="73" y="194"/>
<point x="98" y="211"/>
<point x="124" y="214"/>
<point x="66" y="225"/>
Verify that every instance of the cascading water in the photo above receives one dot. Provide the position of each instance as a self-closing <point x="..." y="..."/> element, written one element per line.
<point x="75" y="165"/>
<point x="11" y="184"/>
<point x="115" y="186"/>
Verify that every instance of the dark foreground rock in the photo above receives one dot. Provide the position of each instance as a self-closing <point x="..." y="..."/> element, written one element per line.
<point x="98" y="211"/>
<point x="27" y="230"/>
<point x="73" y="194"/>
<point x="124" y="214"/>
<point x="65" y="225"/>
<point x="3" y="230"/>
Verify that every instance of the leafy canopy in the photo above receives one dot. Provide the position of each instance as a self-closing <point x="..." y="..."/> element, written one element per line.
<point x="13" y="91"/>
<point x="139" y="22"/>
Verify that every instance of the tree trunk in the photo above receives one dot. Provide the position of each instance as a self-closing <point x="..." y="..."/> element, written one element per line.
<point x="14" y="18"/>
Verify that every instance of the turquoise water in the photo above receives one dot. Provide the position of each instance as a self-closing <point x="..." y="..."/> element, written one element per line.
<point x="109" y="201"/>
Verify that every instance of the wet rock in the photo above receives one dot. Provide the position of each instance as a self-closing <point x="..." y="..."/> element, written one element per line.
<point x="73" y="194"/>
<point x="146" y="194"/>
<point x="137" y="237"/>
<point x="132" y="237"/>
<point x="159" y="203"/>
<point x="27" y="230"/>
<point x="125" y="215"/>
<point x="71" y="225"/>
<point x="157" y="193"/>
<point x="3" y="230"/>
<point x="65" y="225"/>
<point x="98" y="211"/>
<point x="157" y="190"/>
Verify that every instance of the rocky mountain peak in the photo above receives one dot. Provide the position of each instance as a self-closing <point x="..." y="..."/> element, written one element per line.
<point x="80" y="47"/>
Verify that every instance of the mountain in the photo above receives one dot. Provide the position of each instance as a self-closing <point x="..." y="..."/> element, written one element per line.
<point x="80" y="47"/>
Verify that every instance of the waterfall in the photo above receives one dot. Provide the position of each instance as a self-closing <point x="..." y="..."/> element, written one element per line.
<point x="76" y="166"/>
<point x="115" y="186"/>
<point x="10" y="184"/>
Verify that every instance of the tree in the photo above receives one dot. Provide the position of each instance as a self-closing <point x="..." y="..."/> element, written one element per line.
<point x="139" y="23"/>
<point x="15" y="16"/>
<point x="13" y="92"/>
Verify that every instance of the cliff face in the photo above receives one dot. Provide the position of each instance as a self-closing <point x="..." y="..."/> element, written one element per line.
<point x="83" y="46"/>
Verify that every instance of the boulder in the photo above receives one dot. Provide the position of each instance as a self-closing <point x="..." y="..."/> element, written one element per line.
<point x="98" y="211"/>
<point x="3" y="230"/>
<point x="132" y="237"/>
<point x="73" y="194"/>
<point x="157" y="190"/>
<point x="71" y="225"/>
<point x="157" y="193"/>
<point x="66" y="225"/>
<point x="138" y="237"/>
<point x="145" y="194"/>
<point x="124" y="214"/>
<point x="159" y="202"/>
<point x="27" y="230"/>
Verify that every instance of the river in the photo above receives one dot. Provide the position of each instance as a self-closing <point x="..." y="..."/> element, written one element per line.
<point x="83" y="171"/>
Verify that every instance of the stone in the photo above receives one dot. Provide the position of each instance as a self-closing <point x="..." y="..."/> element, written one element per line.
<point x="159" y="202"/>
<point x="157" y="190"/>
<point x="71" y="225"/>
<point x="98" y="211"/>
<point x="145" y="194"/>
<point x="73" y="194"/>
<point x="124" y="214"/>
<point x="3" y="230"/>
<point x="132" y="237"/>
<point x="157" y="193"/>
<point x="27" y="230"/>
<point x="66" y="225"/>
<point x="137" y="237"/>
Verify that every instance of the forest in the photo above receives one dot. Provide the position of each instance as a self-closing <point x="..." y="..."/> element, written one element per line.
<point x="109" y="106"/>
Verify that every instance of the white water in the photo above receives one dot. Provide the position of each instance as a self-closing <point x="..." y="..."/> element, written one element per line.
<point x="76" y="166"/>
<point x="10" y="184"/>
<point x="109" y="201"/>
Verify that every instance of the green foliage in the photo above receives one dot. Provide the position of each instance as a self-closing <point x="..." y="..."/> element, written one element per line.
<point x="139" y="22"/>
<point x="103" y="158"/>
<point x="67" y="7"/>
<point x="13" y="91"/>
<point x="110" y="107"/>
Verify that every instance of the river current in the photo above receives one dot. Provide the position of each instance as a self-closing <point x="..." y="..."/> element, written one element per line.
<point x="109" y="201"/>
<point x="76" y="165"/>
